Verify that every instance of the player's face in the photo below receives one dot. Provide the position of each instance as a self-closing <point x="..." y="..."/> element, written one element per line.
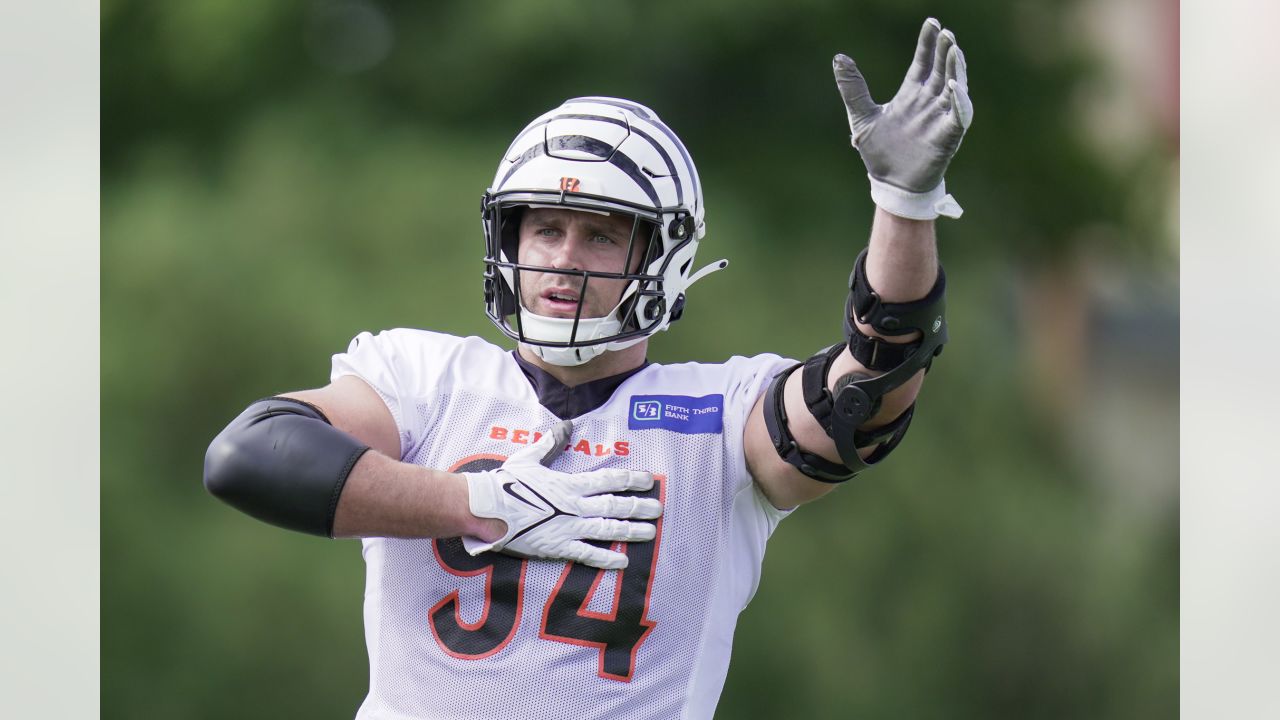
<point x="575" y="240"/>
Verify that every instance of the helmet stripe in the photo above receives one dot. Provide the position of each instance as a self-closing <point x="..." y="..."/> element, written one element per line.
<point x="644" y="113"/>
<point x="525" y="157"/>
<point x="627" y="165"/>
<point x="602" y="150"/>
<point x="636" y="108"/>
<point x="666" y="157"/>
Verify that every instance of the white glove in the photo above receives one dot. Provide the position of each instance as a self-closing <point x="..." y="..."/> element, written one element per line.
<point x="549" y="513"/>
<point x="908" y="142"/>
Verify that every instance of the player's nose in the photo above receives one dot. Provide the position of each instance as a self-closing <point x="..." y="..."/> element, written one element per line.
<point x="568" y="253"/>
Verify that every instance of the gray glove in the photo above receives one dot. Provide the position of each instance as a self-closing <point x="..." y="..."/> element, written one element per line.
<point x="908" y="142"/>
<point x="549" y="513"/>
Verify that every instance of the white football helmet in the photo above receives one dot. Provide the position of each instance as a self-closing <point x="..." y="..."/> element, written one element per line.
<point x="605" y="155"/>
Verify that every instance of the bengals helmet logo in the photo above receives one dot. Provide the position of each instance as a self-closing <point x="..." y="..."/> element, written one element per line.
<point x="568" y="184"/>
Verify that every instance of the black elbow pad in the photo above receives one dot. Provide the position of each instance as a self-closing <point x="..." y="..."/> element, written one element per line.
<point x="283" y="463"/>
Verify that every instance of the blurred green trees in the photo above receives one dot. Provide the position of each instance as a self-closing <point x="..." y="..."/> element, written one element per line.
<point x="278" y="176"/>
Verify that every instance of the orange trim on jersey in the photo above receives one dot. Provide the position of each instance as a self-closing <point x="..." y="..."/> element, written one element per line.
<point x="648" y="624"/>
<point x="472" y="458"/>
<point x="484" y="614"/>
<point x="585" y="611"/>
<point x="488" y="588"/>
<point x="582" y="611"/>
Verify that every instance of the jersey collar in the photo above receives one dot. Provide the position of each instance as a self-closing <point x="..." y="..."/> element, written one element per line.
<point x="567" y="402"/>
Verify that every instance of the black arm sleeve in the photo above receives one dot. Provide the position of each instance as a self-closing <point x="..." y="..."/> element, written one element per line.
<point x="282" y="462"/>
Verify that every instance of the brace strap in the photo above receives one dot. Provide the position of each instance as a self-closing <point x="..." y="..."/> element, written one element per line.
<point x="857" y="397"/>
<point x="926" y="315"/>
<point x="775" y="419"/>
<point x="819" y="402"/>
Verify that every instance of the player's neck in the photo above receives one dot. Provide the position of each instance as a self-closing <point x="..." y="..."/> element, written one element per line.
<point x="606" y="364"/>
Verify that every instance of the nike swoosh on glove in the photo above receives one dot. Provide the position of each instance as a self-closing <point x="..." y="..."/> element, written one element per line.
<point x="549" y="514"/>
<point x="908" y="142"/>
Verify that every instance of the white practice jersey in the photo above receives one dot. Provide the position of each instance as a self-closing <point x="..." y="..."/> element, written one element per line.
<point x="452" y="636"/>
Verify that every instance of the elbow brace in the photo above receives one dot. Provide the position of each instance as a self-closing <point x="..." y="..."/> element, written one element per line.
<point x="858" y="396"/>
<point x="282" y="462"/>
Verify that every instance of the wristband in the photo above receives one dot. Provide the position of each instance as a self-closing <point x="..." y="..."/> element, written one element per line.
<point x="915" y="206"/>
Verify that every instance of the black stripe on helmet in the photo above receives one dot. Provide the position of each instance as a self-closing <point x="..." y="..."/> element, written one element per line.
<point x="592" y="146"/>
<point x="611" y="155"/>
<point x="642" y="112"/>
<point x="633" y="171"/>
<point x="636" y="108"/>
<point x="666" y="157"/>
<point x="526" y="156"/>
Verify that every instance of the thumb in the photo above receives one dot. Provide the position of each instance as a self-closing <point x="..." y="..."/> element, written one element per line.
<point x="548" y="446"/>
<point x="853" y="88"/>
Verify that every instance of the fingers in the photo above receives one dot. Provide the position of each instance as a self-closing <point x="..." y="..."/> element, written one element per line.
<point x="617" y="506"/>
<point x="595" y="557"/>
<point x="922" y="63"/>
<point x="953" y="59"/>
<point x="956" y="68"/>
<point x="613" y="480"/>
<point x="961" y="102"/>
<point x="853" y="87"/>
<point x="941" y="56"/>
<point x="615" y="530"/>
<point x="955" y="98"/>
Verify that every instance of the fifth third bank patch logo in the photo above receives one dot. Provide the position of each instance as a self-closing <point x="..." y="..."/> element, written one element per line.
<point x="678" y="413"/>
<point x="646" y="410"/>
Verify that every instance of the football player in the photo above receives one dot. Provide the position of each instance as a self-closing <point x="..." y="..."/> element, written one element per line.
<point x="566" y="529"/>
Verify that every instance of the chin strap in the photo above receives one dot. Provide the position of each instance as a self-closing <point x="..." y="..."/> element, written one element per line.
<point x="567" y="357"/>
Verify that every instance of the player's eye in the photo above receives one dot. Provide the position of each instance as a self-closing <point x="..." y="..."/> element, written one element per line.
<point x="603" y="240"/>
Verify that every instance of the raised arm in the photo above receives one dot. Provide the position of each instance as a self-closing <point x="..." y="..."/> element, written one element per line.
<point x="848" y="407"/>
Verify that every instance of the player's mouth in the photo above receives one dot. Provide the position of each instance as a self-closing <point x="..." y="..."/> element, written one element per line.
<point x="560" y="301"/>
